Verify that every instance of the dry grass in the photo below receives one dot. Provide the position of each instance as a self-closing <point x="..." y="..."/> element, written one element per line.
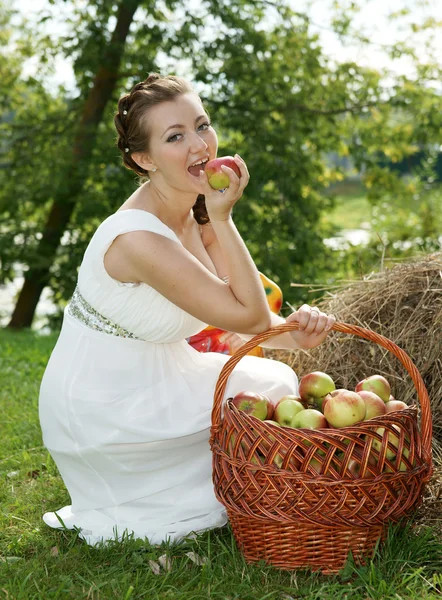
<point x="404" y="304"/>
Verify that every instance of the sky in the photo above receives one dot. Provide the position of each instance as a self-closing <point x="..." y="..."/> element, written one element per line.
<point x="372" y="20"/>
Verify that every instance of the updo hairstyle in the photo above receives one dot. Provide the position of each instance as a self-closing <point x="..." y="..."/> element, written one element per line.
<point x="133" y="126"/>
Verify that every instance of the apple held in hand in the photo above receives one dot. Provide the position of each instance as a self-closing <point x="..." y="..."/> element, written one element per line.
<point x="344" y="408"/>
<point x="252" y="403"/>
<point x="374" y="406"/>
<point x="287" y="409"/>
<point x="377" y="384"/>
<point x="315" y="386"/>
<point x="217" y="178"/>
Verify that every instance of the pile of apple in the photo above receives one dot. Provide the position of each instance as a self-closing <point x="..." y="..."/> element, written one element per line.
<point x="320" y="405"/>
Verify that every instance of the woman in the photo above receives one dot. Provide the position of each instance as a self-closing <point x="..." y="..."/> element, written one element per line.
<point x="125" y="402"/>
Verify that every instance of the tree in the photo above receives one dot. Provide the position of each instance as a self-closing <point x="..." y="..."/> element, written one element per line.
<point x="275" y="98"/>
<point x="71" y="183"/>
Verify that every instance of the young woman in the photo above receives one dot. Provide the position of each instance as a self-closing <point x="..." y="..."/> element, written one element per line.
<point x="125" y="402"/>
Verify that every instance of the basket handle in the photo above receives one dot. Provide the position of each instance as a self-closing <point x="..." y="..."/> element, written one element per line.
<point x="424" y="400"/>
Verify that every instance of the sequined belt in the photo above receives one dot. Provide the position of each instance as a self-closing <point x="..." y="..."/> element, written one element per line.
<point x="83" y="312"/>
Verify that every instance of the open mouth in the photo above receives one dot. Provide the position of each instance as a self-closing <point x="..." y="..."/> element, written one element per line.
<point x="195" y="169"/>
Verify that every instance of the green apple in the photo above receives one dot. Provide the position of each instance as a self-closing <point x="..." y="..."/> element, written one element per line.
<point x="286" y="410"/>
<point x="393" y="439"/>
<point x="310" y="418"/>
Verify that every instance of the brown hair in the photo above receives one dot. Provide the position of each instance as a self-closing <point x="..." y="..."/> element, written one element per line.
<point x="133" y="133"/>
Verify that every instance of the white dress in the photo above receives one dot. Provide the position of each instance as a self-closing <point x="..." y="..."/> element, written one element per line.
<point x="125" y="404"/>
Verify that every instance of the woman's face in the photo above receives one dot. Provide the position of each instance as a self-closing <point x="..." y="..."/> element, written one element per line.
<point x="181" y="135"/>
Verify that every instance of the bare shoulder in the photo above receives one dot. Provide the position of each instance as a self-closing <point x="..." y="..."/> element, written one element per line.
<point x="168" y="267"/>
<point x="117" y="260"/>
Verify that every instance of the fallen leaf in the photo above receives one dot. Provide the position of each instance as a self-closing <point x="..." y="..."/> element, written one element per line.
<point x="154" y="567"/>
<point x="196" y="559"/>
<point x="54" y="551"/>
<point x="165" y="562"/>
<point x="12" y="474"/>
<point x="12" y="559"/>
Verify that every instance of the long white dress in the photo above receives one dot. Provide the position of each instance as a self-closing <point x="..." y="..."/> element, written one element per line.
<point x="125" y="404"/>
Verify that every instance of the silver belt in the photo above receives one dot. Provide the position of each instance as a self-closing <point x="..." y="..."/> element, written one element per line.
<point x="83" y="312"/>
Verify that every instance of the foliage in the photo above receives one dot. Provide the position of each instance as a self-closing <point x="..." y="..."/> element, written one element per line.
<point x="275" y="98"/>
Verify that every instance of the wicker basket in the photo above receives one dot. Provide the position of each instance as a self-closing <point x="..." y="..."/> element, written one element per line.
<point x="299" y="498"/>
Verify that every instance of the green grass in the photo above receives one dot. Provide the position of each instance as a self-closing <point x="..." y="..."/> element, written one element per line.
<point x="37" y="562"/>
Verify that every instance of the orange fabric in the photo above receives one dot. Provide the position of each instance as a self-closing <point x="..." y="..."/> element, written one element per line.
<point x="208" y="340"/>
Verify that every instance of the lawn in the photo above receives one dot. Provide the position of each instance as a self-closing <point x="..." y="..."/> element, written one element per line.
<point x="351" y="208"/>
<point x="37" y="562"/>
<point x="396" y="217"/>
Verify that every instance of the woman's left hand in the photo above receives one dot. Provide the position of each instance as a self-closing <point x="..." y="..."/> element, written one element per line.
<point x="314" y="326"/>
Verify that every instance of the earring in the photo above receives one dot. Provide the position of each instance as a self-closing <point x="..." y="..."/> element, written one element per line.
<point x="153" y="170"/>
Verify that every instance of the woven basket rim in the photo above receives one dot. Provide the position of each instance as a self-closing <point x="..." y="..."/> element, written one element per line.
<point x="422" y="393"/>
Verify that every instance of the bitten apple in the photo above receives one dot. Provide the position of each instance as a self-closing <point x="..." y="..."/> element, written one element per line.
<point x="345" y="408"/>
<point x="314" y="387"/>
<point x="377" y="384"/>
<point x="252" y="403"/>
<point x="217" y="178"/>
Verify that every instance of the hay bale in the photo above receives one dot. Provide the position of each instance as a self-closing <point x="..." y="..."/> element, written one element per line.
<point x="402" y="303"/>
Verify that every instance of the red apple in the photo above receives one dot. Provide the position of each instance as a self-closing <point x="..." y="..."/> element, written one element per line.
<point x="377" y="384"/>
<point x="315" y="386"/>
<point x="315" y="465"/>
<point x="254" y="404"/>
<point x="310" y="419"/>
<point x="344" y="409"/>
<point x="375" y="406"/>
<point x="286" y="410"/>
<point x="393" y="405"/>
<point x="325" y="400"/>
<point x="218" y="179"/>
<point x="354" y="467"/>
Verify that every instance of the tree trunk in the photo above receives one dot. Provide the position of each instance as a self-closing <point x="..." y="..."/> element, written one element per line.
<point x="37" y="277"/>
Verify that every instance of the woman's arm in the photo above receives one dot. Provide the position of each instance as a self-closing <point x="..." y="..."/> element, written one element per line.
<point x="309" y="337"/>
<point x="168" y="267"/>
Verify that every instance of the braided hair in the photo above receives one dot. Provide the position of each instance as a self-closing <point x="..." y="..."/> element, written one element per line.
<point x="132" y="127"/>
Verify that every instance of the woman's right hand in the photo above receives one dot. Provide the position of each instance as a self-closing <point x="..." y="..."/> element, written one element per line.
<point x="219" y="204"/>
